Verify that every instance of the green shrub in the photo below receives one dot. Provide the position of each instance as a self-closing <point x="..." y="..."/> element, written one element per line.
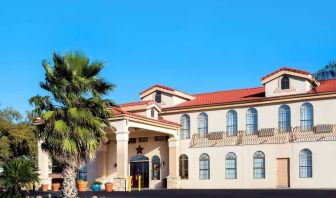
<point x="17" y="173"/>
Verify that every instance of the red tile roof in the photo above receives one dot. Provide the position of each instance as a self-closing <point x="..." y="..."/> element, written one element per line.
<point x="147" y="102"/>
<point x="286" y="69"/>
<point x="250" y="94"/>
<point x="118" y="111"/>
<point x="325" y="86"/>
<point x="159" y="86"/>
<point x="225" y="97"/>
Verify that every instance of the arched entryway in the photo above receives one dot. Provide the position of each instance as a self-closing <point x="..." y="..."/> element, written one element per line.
<point x="139" y="165"/>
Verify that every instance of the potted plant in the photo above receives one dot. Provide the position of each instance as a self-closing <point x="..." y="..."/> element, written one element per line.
<point x="96" y="186"/>
<point x="55" y="187"/>
<point x="108" y="186"/>
<point x="82" y="185"/>
<point x="44" y="185"/>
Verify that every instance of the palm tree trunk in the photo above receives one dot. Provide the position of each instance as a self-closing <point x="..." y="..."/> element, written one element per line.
<point x="69" y="189"/>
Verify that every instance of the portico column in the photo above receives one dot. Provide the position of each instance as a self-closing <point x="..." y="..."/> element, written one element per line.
<point x="120" y="183"/>
<point x="173" y="180"/>
<point x="43" y="166"/>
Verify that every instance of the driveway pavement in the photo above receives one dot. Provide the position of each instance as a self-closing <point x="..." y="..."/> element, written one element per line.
<point x="207" y="194"/>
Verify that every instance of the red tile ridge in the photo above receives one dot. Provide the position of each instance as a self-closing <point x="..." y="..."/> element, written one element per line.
<point x="229" y="90"/>
<point x="148" y="102"/>
<point x="286" y="69"/>
<point x="158" y="85"/>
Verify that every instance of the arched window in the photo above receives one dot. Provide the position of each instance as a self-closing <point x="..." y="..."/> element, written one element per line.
<point x="285" y="82"/>
<point x="202" y="124"/>
<point x="204" y="167"/>
<point x="306" y="164"/>
<point x="156" y="167"/>
<point x="231" y="122"/>
<point x="306" y="117"/>
<point x="251" y="121"/>
<point x="231" y="166"/>
<point x="158" y="97"/>
<point x="284" y="118"/>
<point x="184" y="166"/>
<point x="185" y="129"/>
<point x="259" y="165"/>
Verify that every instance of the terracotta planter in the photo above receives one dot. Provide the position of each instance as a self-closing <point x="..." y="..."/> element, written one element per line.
<point x="44" y="187"/>
<point x="82" y="186"/>
<point x="56" y="187"/>
<point x="108" y="187"/>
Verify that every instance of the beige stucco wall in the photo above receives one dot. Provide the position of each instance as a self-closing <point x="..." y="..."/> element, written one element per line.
<point x="323" y="152"/>
<point x="297" y="85"/>
<point x="323" y="166"/>
<point x="167" y="100"/>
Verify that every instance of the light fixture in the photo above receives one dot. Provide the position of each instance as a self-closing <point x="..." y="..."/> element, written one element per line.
<point x="115" y="165"/>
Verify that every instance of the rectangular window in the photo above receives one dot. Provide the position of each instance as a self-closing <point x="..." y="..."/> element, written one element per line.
<point x="230" y="172"/>
<point x="132" y="140"/>
<point x="259" y="168"/>
<point x="143" y="139"/>
<point x="159" y="138"/>
<point x="204" y="170"/>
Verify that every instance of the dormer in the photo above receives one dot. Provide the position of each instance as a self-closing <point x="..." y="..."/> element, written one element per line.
<point x="165" y="96"/>
<point x="149" y="109"/>
<point x="288" y="81"/>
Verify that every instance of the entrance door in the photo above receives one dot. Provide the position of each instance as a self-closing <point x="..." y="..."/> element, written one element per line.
<point x="139" y="166"/>
<point x="283" y="173"/>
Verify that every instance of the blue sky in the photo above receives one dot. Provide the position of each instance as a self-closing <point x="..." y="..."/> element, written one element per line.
<point x="194" y="46"/>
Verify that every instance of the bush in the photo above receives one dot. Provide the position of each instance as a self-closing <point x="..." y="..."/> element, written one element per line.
<point x="17" y="173"/>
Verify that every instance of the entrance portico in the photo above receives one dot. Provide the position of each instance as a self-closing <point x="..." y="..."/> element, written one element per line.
<point x="159" y="142"/>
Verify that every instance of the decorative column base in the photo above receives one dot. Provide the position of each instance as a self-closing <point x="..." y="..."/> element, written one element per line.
<point x="120" y="185"/>
<point x="173" y="182"/>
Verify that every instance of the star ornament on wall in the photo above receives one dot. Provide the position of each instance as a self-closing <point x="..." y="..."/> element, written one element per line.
<point x="139" y="150"/>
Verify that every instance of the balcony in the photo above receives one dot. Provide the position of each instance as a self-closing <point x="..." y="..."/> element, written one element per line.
<point x="322" y="132"/>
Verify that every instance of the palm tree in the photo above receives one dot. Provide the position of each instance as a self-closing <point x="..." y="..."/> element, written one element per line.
<point x="74" y="113"/>
<point x="328" y="72"/>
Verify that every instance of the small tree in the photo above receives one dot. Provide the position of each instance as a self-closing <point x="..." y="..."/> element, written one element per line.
<point x="328" y="72"/>
<point x="74" y="113"/>
<point x="17" y="174"/>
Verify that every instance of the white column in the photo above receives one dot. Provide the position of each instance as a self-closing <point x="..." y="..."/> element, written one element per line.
<point x="43" y="166"/>
<point x="102" y="163"/>
<point x="120" y="183"/>
<point x="173" y="180"/>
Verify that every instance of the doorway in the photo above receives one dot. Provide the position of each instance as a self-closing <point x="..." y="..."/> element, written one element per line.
<point x="139" y="166"/>
<point x="283" y="173"/>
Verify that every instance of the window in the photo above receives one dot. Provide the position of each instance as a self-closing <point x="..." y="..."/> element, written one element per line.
<point x="184" y="167"/>
<point x="152" y="113"/>
<point x="231" y="122"/>
<point x="285" y="83"/>
<point x="185" y="129"/>
<point x="143" y="139"/>
<point x="203" y="124"/>
<point x="284" y="118"/>
<point x="231" y="166"/>
<point x="306" y="164"/>
<point x="156" y="168"/>
<point x="82" y="173"/>
<point x="259" y="165"/>
<point x="204" y="167"/>
<point x="159" y="138"/>
<point x="158" y="97"/>
<point x="251" y="121"/>
<point x="132" y="140"/>
<point x="306" y="117"/>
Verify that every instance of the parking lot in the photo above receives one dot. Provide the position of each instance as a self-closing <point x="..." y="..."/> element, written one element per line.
<point x="207" y="194"/>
